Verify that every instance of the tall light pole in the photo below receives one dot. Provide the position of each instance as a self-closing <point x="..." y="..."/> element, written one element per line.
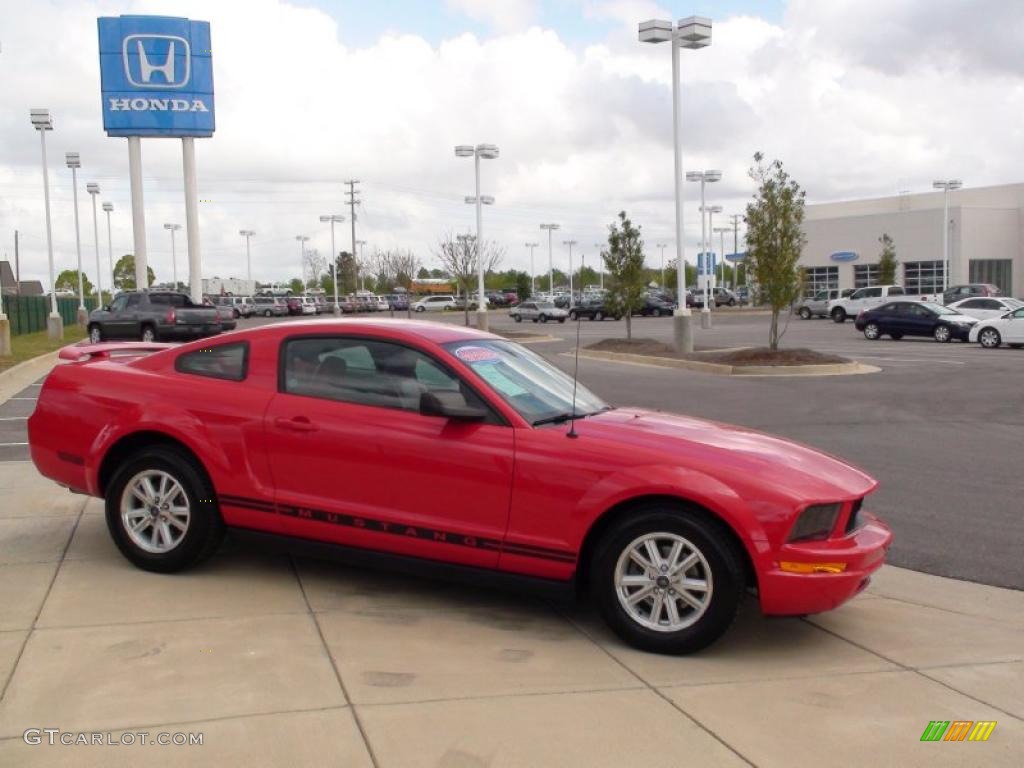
<point x="334" y="218"/>
<point x="533" y="279"/>
<point x="600" y="257"/>
<point x="662" y="247"/>
<point x="570" y="243"/>
<point x="108" y="208"/>
<point x="704" y="177"/>
<point x="247" y="233"/>
<point x="302" y="258"/>
<point x="74" y="163"/>
<point x="487" y="152"/>
<point x="94" y="189"/>
<point x="947" y="186"/>
<point x="551" y="259"/>
<point x="42" y="122"/>
<point x="692" y="32"/>
<point x="359" y="263"/>
<point x="172" y="228"/>
<point x="721" y="247"/>
<point x="736" y="218"/>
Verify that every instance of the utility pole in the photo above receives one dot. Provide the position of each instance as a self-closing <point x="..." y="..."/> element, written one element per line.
<point x="533" y="281"/>
<point x="352" y="202"/>
<point x="736" y="217"/>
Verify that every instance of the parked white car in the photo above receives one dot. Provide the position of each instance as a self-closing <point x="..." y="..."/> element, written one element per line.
<point x="308" y="305"/>
<point x="537" y="311"/>
<point x="1008" y="329"/>
<point x="849" y="307"/>
<point x="986" y="307"/>
<point x="434" y="304"/>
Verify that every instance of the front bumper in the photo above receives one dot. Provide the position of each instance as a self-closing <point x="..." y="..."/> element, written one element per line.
<point x="785" y="594"/>
<point x="961" y="332"/>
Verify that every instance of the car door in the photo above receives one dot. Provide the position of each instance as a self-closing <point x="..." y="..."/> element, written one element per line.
<point x="356" y="463"/>
<point x="112" y="320"/>
<point x="920" y="321"/>
<point x="1013" y="330"/>
<point x="126" y="322"/>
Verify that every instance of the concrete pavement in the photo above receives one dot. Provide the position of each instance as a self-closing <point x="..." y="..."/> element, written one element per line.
<point x="293" y="662"/>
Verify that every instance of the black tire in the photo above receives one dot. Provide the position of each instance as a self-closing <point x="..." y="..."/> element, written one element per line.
<point x="838" y="315"/>
<point x="1015" y="346"/>
<point x="732" y="302"/>
<point x="236" y="313"/>
<point x="573" y="316"/>
<point x="535" y="319"/>
<point x="421" y="309"/>
<point x="896" y="336"/>
<point x="95" y="333"/>
<point x="148" y="333"/>
<point x="872" y="332"/>
<point x="720" y="553"/>
<point x="543" y="318"/>
<point x="517" y="318"/>
<point x="990" y="338"/>
<point x="561" y="319"/>
<point x="599" y="316"/>
<point x="943" y="333"/>
<point x="268" y="313"/>
<point x="205" y="526"/>
<point x="655" y="312"/>
<point x="805" y="313"/>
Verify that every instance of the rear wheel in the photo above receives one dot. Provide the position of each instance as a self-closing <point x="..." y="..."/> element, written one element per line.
<point x="95" y="333"/>
<point x="942" y="334"/>
<point x="543" y="318"/>
<point x="573" y="315"/>
<point x="161" y="511"/>
<point x="872" y="331"/>
<point x="1016" y="346"/>
<point x="805" y="313"/>
<point x="148" y="333"/>
<point x="989" y="338"/>
<point x="838" y="315"/>
<point x="561" y="319"/>
<point x="667" y="581"/>
<point x="599" y="315"/>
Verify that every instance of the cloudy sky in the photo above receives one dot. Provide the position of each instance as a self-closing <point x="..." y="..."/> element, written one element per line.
<point x="859" y="99"/>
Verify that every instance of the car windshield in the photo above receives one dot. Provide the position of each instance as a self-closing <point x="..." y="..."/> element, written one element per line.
<point x="1013" y="303"/>
<point x="537" y="390"/>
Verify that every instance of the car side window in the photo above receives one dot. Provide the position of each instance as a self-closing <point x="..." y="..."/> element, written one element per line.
<point x="972" y="304"/>
<point x="858" y="294"/>
<point x="872" y="293"/>
<point x="1019" y="314"/>
<point x="133" y="301"/>
<point x="223" y="361"/>
<point x="894" y="290"/>
<point x="367" y="372"/>
<point x="919" y="311"/>
<point x="119" y="304"/>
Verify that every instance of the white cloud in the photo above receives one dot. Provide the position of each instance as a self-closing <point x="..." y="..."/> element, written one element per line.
<point x="504" y="16"/>
<point x="584" y="131"/>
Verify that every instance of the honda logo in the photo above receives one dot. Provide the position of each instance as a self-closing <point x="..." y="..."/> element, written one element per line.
<point x="157" y="61"/>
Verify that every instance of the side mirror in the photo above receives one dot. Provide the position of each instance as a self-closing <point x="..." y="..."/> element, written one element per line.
<point x="450" y="405"/>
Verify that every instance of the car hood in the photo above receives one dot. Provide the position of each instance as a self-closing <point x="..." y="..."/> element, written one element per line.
<point x="729" y="452"/>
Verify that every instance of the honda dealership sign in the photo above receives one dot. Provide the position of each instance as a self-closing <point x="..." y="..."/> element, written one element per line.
<point x="156" y="76"/>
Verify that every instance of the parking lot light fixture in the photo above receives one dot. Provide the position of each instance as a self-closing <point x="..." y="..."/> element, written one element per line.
<point x="947" y="186"/>
<point x="533" y="279"/>
<point x="74" y="162"/>
<point x="108" y="208"/>
<point x="172" y="228"/>
<point x="303" y="239"/>
<point x="247" y="233"/>
<point x="600" y="262"/>
<point x="94" y="190"/>
<point x="43" y="122"/>
<point x="704" y="177"/>
<point x="334" y="218"/>
<point x="721" y="246"/>
<point x="551" y="261"/>
<point x="570" y="243"/>
<point x="692" y="33"/>
<point x="487" y="152"/>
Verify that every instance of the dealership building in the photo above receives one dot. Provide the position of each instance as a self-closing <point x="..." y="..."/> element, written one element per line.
<point x="986" y="240"/>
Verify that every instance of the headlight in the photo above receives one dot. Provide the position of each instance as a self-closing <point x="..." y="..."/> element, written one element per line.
<point x="815" y="522"/>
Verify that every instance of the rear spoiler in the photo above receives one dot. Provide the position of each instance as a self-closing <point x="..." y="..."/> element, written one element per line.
<point x="79" y="353"/>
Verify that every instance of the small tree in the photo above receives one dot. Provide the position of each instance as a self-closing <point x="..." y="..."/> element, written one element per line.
<point x="458" y="255"/>
<point x="887" y="261"/>
<point x="68" y="281"/>
<point x="124" y="273"/>
<point x="624" y="263"/>
<point x="775" y="239"/>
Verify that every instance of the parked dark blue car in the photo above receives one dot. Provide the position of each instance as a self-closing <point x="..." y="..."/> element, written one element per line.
<point x="914" y="318"/>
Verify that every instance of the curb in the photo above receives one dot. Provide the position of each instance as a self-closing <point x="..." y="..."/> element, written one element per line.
<point x="828" y="369"/>
<point x="530" y="339"/>
<point x="18" y="377"/>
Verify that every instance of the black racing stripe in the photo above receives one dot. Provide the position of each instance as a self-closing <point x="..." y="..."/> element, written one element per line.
<point x="397" y="529"/>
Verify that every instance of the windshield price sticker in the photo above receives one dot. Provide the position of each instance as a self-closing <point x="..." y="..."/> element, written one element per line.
<point x="477" y="355"/>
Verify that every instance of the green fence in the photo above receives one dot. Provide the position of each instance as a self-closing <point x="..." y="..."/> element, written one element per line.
<point x="28" y="313"/>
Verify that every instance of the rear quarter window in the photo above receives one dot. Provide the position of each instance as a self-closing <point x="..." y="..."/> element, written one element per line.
<point x="221" y="361"/>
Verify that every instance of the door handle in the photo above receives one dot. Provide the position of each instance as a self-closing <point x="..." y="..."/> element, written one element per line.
<point x="298" y="424"/>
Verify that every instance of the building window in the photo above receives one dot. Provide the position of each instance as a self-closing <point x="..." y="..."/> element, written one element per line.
<point x="865" y="275"/>
<point x="923" y="276"/>
<point x="820" y="279"/>
<point x="998" y="272"/>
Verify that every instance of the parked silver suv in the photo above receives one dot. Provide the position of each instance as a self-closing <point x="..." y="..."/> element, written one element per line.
<point x="817" y="305"/>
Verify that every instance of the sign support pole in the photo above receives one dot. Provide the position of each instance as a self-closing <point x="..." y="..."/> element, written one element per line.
<point x="195" y="277"/>
<point x="138" y="212"/>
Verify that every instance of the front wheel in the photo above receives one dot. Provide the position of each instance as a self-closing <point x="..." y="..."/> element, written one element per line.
<point x="599" y="316"/>
<point x="942" y="334"/>
<point x="666" y="580"/>
<point x="561" y="319"/>
<point x="95" y="333"/>
<point x="732" y="302"/>
<point x="573" y="316"/>
<point x="543" y="318"/>
<point x="268" y="313"/>
<point x="805" y="313"/>
<point x="838" y="315"/>
<point x="655" y="312"/>
<point x="517" y="318"/>
<point x="872" y="331"/>
<point x="161" y="511"/>
<point x="989" y="338"/>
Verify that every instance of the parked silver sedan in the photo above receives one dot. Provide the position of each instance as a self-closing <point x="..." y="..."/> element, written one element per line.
<point x="538" y="312"/>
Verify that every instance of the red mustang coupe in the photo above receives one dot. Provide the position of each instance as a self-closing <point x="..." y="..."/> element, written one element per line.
<point x="451" y="450"/>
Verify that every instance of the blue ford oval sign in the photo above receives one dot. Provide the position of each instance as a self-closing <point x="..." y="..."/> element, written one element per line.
<point x="844" y="256"/>
<point x="741" y="256"/>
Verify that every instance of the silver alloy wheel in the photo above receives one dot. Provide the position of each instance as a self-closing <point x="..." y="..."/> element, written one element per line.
<point x="148" y="335"/>
<point x="989" y="338"/>
<point x="663" y="582"/>
<point x="95" y="335"/>
<point x="155" y="511"/>
<point x="942" y="333"/>
<point x="871" y="331"/>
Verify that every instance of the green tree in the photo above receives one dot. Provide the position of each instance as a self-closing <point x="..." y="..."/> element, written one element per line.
<point x="295" y="284"/>
<point x="423" y="274"/>
<point x="522" y="286"/>
<point x="68" y="281"/>
<point x="124" y="273"/>
<point x="775" y="239"/>
<point x="624" y="264"/>
<point x="887" y="261"/>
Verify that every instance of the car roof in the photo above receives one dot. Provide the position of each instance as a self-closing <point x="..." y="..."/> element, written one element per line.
<point x="438" y="333"/>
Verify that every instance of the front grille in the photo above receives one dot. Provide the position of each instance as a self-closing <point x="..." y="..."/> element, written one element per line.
<point x="853" y="523"/>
